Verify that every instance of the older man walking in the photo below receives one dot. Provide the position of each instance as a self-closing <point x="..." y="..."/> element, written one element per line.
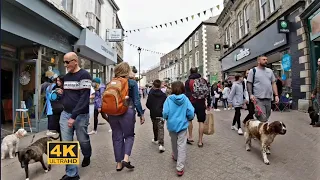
<point x="261" y="83"/>
<point x="75" y="117"/>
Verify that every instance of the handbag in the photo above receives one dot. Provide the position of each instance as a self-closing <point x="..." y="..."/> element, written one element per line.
<point x="209" y="124"/>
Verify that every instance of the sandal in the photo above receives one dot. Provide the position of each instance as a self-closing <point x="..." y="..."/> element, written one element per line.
<point x="200" y="145"/>
<point x="190" y="141"/>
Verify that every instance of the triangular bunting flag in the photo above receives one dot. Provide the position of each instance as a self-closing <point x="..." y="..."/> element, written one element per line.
<point x="218" y="6"/>
<point x="171" y="23"/>
<point x="187" y="18"/>
<point x="165" y="24"/>
<point x="204" y="12"/>
<point x="130" y="31"/>
<point x="161" y="26"/>
<point x="192" y="17"/>
<point x="138" y="30"/>
<point x="181" y="20"/>
<point x="151" y="27"/>
<point x="199" y="14"/>
<point x="176" y="22"/>
<point x="134" y="30"/>
<point x="211" y="9"/>
<point x="156" y="26"/>
<point x="126" y="31"/>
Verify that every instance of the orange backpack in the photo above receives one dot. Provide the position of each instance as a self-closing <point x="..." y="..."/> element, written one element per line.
<point x="114" y="97"/>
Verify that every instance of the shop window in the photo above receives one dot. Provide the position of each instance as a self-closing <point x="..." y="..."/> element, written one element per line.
<point x="286" y="83"/>
<point x="67" y="5"/>
<point x="85" y="64"/>
<point x="98" y="71"/>
<point x="51" y="66"/>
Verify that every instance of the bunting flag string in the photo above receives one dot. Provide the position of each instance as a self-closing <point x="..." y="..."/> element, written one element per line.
<point x="163" y="25"/>
<point x="144" y="49"/>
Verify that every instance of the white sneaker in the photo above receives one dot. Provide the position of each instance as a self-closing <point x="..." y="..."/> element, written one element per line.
<point x="110" y="130"/>
<point x="240" y="132"/>
<point x="218" y="110"/>
<point x="229" y="109"/>
<point x="225" y="109"/>
<point x="161" y="149"/>
<point x="234" y="128"/>
<point x="49" y="133"/>
<point x="154" y="142"/>
<point x="92" y="132"/>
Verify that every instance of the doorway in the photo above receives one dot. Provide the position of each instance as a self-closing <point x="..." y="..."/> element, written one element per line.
<point x="6" y="101"/>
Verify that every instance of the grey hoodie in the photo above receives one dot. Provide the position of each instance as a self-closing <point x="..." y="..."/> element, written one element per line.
<point x="236" y="95"/>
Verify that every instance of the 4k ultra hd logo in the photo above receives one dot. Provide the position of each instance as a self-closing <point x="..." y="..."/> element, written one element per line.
<point x="63" y="152"/>
<point x="283" y="26"/>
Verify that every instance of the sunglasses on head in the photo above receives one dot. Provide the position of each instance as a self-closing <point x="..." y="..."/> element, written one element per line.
<point x="68" y="62"/>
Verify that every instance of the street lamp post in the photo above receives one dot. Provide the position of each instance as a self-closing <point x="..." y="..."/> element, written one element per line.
<point x="139" y="51"/>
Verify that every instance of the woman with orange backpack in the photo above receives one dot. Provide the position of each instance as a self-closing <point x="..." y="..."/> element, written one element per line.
<point x="120" y="100"/>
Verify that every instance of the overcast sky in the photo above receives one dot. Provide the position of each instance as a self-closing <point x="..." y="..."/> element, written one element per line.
<point x="146" y="13"/>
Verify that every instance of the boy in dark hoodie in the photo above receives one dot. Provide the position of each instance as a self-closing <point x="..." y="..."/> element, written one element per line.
<point x="155" y="102"/>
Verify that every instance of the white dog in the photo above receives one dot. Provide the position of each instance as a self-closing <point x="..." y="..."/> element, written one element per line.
<point x="10" y="141"/>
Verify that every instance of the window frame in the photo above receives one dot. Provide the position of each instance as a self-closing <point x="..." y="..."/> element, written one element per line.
<point x="246" y="18"/>
<point x="273" y="5"/>
<point x="185" y="63"/>
<point x="263" y="12"/>
<point x="185" y="48"/>
<point x="196" y="39"/>
<point x="181" y="67"/>
<point x="190" y="61"/>
<point x="97" y="11"/>
<point x="190" y="44"/>
<point x="196" y="58"/>
<point x="65" y="5"/>
<point x="240" y="24"/>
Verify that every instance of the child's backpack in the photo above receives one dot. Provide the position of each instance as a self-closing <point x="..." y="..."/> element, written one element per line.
<point x="200" y="89"/>
<point x="114" y="97"/>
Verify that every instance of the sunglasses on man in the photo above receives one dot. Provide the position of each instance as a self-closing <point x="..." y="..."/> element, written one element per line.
<point x="68" y="62"/>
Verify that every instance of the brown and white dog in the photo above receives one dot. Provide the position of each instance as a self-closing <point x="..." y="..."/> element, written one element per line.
<point x="265" y="132"/>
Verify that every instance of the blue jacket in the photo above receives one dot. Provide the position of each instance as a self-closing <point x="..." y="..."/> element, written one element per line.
<point x="48" y="92"/>
<point x="98" y="96"/>
<point x="135" y="97"/>
<point x="177" y="110"/>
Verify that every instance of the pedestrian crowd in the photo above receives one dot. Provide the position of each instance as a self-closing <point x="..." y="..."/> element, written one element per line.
<point x="175" y="105"/>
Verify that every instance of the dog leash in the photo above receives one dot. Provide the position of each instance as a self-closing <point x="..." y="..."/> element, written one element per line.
<point x="260" y="112"/>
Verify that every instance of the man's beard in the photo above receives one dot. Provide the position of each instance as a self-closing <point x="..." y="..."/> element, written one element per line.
<point x="264" y="65"/>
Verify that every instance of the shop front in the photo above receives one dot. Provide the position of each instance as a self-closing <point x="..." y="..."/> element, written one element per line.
<point x="311" y="21"/>
<point x="95" y="54"/>
<point x="32" y="52"/>
<point x="281" y="49"/>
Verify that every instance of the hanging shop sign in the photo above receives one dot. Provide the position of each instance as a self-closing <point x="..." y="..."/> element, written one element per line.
<point x="114" y="35"/>
<point x="217" y="47"/>
<point x="242" y="54"/>
<point x="283" y="26"/>
<point x="286" y="62"/>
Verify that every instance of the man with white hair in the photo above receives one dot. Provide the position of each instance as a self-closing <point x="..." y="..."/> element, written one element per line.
<point x="75" y="117"/>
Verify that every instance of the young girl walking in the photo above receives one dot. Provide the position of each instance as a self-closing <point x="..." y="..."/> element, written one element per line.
<point x="177" y="111"/>
<point x="237" y="97"/>
<point x="225" y="95"/>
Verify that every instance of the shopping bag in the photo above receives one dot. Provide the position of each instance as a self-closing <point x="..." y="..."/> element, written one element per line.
<point x="209" y="124"/>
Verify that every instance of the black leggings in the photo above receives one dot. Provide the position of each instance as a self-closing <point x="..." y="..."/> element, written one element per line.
<point x="236" y="118"/>
<point x="95" y="118"/>
<point x="215" y="104"/>
<point x="250" y="108"/>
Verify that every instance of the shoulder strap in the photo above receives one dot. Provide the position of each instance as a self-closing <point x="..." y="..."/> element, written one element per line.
<point x="254" y="75"/>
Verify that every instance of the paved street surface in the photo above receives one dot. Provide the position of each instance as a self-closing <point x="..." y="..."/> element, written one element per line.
<point x="295" y="156"/>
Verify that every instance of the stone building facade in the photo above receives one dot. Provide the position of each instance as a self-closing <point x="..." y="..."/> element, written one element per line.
<point x="197" y="50"/>
<point x="272" y="28"/>
<point x="152" y="74"/>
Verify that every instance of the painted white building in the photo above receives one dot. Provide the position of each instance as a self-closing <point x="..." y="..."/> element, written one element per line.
<point x="169" y="74"/>
<point x="99" y="16"/>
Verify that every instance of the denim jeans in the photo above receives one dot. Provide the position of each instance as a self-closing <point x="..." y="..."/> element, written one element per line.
<point x="81" y="127"/>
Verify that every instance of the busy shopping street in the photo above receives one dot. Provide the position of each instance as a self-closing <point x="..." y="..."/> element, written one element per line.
<point x="294" y="156"/>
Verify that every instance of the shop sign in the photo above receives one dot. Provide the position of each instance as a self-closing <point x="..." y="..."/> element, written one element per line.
<point x="114" y="35"/>
<point x="283" y="26"/>
<point x="243" y="53"/>
<point x="217" y="47"/>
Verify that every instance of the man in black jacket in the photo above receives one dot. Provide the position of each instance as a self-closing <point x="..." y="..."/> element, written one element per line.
<point x="155" y="102"/>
